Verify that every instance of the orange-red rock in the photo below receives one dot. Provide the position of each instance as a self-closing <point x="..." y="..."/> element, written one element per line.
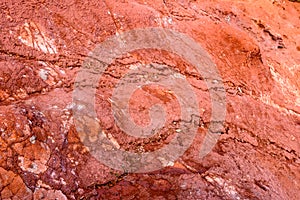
<point x="255" y="46"/>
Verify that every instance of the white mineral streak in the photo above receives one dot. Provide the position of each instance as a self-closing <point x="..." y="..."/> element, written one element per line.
<point x="32" y="35"/>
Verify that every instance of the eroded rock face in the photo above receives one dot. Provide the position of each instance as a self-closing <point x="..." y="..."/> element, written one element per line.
<point x="255" y="46"/>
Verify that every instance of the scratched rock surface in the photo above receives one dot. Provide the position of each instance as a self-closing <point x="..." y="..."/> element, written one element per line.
<point x="255" y="46"/>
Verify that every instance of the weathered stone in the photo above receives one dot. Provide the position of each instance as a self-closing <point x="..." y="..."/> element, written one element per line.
<point x="255" y="46"/>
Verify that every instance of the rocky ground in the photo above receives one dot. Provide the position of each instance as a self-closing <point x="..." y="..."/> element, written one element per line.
<point x="255" y="46"/>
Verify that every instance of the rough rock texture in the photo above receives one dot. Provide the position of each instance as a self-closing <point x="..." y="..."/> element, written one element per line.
<point x="256" y="47"/>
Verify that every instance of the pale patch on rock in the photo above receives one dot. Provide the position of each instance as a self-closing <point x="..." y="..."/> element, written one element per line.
<point x="113" y="140"/>
<point x="31" y="34"/>
<point x="224" y="184"/>
<point x="165" y="162"/>
<point x="41" y="193"/>
<point x="286" y="87"/>
<point x="41" y="184"/>
<point x="266" y="99"/>
<point x="43" y="74"/>
<point x="163" y="21"/>
<point x="34" y="158"/>
<point x="21" y="93"/>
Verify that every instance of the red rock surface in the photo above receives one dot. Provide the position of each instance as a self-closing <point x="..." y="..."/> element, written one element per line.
<point x="256" y="48"/>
